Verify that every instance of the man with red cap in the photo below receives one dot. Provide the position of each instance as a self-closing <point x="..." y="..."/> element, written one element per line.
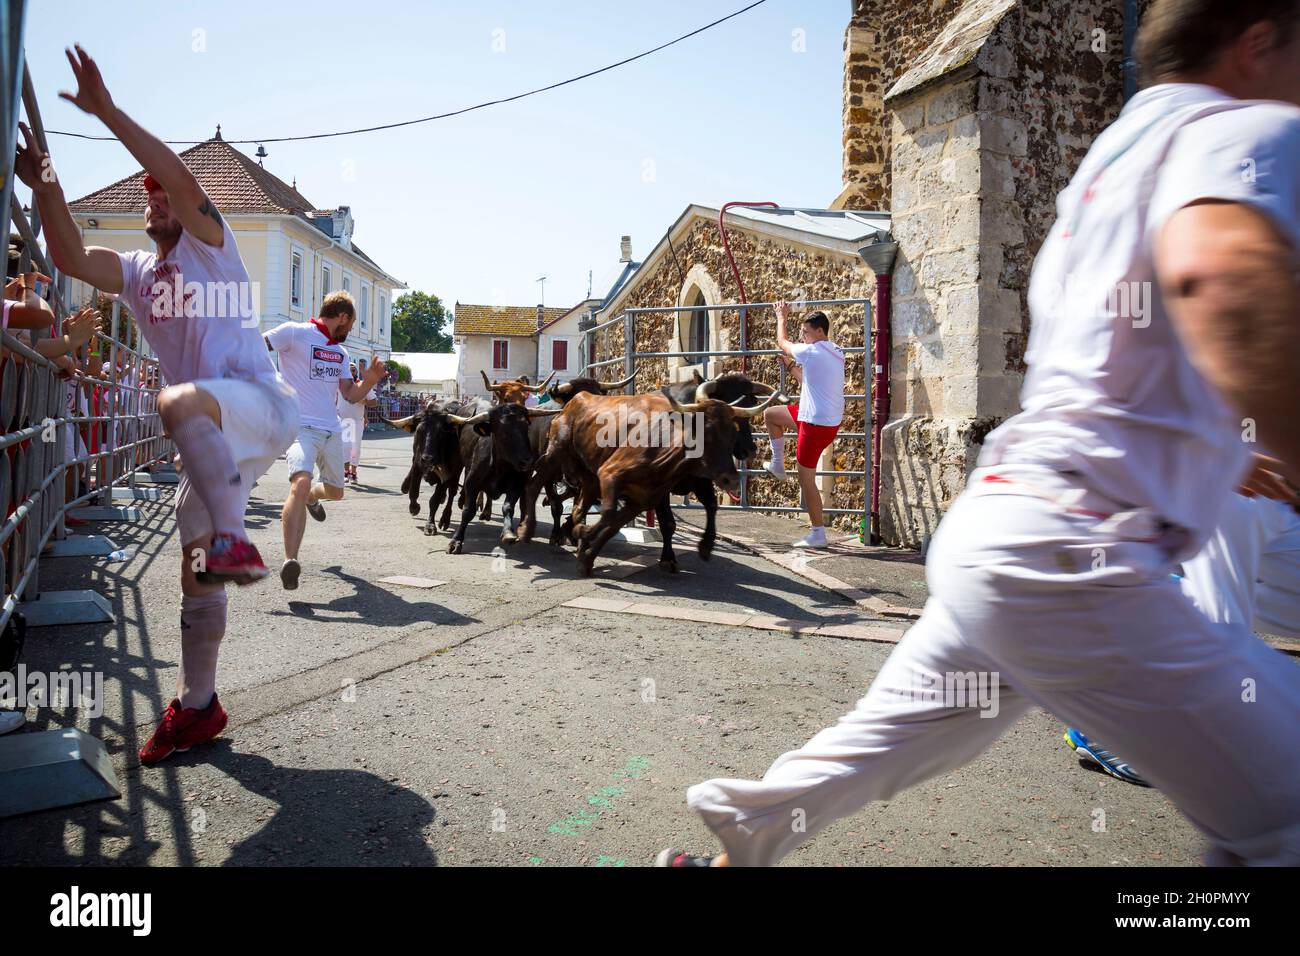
<point x="225" y="406"/>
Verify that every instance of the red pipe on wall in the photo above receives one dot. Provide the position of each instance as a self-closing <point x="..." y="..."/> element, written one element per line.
<point x="726" y="247"/>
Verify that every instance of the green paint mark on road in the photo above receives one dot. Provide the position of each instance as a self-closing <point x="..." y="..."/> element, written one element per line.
<point x="602" y="800"/>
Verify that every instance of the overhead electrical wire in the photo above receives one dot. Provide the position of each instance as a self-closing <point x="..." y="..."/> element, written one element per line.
<point x="438" y="116"/>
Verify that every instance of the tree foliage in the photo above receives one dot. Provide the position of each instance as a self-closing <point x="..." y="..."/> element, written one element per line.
<point x="421" y="323"/>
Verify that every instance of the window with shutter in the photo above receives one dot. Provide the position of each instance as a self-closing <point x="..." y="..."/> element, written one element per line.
<point x="560" y="355"/>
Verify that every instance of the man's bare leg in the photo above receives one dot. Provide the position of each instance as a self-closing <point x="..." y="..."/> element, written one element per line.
<point x="812" y="496"/>
<point x="293" y="517"/>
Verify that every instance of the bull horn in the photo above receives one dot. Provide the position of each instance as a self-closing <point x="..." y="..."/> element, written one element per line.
<point x="678" y="407"/>
<point x="623" y="384"/>
<point x="756" y="410"/>
<point x="541" y="387"/>
<point x="490" y="386"/>
<point x="539" y="412"/>
<point x="704" y="391"/>
<point x="405" y="424"/>
<point x="766" y="389"/>
<point x="478" y="419"/>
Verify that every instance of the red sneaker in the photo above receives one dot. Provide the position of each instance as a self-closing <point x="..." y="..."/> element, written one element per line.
<point x="183" y="727"/>
<point x="232" y="559"/>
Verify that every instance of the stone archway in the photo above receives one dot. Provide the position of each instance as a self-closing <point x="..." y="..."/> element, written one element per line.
<point x="695" y="331"/>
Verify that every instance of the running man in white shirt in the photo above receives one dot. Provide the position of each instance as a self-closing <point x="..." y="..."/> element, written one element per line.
<point x="1166" y="310"/>
<point x="818" y="414"/>
<point x="312" y="360"/>
<point x="225" y="407"/>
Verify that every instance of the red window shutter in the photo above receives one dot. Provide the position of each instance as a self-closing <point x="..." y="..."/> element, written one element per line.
<point x="560" y="355"/>
<point x="500" y="354"/>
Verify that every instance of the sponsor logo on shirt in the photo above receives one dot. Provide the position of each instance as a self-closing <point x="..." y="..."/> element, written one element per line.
<point x="326" y="363"/>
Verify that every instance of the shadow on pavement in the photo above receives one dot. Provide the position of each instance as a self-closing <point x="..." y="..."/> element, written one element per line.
<point x="327" y="817"/>
<point x="372" y="604"/>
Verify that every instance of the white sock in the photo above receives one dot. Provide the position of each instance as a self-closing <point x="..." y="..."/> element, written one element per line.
<point x="213" y="472"/>
<point x="203" y="624"/>
<point x="778" y="452"/>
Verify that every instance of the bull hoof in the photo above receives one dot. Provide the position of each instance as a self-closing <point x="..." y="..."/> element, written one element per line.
<point x="509" y="539"/>
<point x="455" y="547"/>
<point x="584" y="569"/>
<point x="414" y="507"/>
<point x="669" y="566"/>
<point x="706" y="550"/>
<point x="428" y="530"/>
<point x="444" y="525"/>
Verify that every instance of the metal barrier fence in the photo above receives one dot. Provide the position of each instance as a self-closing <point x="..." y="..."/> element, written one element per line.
<point x="394" y="405"/>
<point x="628" y="321"/>
<point x="69" y="443"/>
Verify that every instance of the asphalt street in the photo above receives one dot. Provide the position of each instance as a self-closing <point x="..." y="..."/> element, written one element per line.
<point x="482" y="721"/>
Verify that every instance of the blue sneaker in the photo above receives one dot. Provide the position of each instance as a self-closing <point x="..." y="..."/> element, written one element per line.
<point x="1087" y="751"/>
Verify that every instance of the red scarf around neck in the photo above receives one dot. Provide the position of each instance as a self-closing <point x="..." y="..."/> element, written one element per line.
<point x="326" y="332"/>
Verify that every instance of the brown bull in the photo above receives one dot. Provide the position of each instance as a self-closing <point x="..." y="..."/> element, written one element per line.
<point x="514" y="391"/>
<point x="627" y="452"/>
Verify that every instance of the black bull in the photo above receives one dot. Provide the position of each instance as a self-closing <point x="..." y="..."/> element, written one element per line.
<point x="435" y="459"/>
<point x="498" y="457"/>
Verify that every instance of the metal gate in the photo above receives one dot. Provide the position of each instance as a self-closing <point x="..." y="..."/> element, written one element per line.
<point x="628" y="321"/>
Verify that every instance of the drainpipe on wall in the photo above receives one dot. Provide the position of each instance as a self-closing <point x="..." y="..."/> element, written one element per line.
<point x="1130" y="38"/>
<point x="879" y="257"/>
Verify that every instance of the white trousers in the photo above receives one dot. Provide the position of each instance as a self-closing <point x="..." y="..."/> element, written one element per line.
<point x="1049" y="609"/>
<point x="354" y="427"/>
<point x="1249" y="570"/>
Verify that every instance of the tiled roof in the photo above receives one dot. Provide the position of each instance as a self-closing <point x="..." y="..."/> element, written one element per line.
<point x="233" y="181"/>
<point x="500" y="319"/>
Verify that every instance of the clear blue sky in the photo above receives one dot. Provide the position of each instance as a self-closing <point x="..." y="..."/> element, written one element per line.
<point x="477" y="207"/>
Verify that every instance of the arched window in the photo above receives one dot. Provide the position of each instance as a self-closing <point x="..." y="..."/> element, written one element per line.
<point x="697" y="335"/>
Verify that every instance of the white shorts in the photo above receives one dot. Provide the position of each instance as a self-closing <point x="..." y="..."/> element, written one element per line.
<point x="317" y="448"/>
<point x="258" y="419"/>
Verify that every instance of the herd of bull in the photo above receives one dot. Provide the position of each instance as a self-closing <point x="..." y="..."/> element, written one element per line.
<point x="499" y="447"/>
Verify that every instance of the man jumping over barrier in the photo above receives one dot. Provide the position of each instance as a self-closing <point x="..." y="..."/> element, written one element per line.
<point x="226" y="408"/>
<point x="313" y="360"/>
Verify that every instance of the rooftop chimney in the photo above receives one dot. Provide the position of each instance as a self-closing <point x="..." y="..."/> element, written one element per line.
<point x="625" y="249"/>
<point x="541" y="315"/>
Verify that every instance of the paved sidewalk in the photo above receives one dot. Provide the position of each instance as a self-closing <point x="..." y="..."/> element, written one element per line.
<point x="886" y="583"/>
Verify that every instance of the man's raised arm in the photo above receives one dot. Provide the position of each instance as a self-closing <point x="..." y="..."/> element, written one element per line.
<point x="188" y="202"/>
<point x="98" y="267"/>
